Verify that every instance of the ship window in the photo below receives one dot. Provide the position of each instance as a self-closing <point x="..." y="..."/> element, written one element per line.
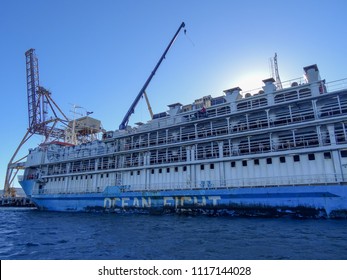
<point x="152" y="171"/>
<point x="327" y="155"/>
<point x="102" y="176"/>
<point x="244" y="163"/>
<point x="282" y="159"/>
<point x="90" y="176"/>
<point x="138" y="172"/>
<point x="296" y="158"/>
<point x="71" y="178"/>
<point x="106" y="175"/>
<point x="184" y="168"/>
<point x="202" y="167"/>
<point x="343" y="153"/>
<point x="81" y="177"/>
<point x="233" y="164"/>
<point x="256" y="161"/>
<point x="167" y="170"/>
<point x="131" y="173"/>
<point x="160" y="170"/>
<point x="212" y="166"/>
<point x="311" y="157"/>
<point x="269" y="160"/>
<point x="86" y="177"/>
<point x="176" y="169"/>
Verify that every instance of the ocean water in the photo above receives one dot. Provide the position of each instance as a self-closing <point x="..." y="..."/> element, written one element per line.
<point x="31" y="234"/>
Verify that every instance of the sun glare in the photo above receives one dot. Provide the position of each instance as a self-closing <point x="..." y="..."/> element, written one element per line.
<point x="248" y="81"/>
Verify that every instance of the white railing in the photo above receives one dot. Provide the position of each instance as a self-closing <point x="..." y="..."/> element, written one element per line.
<point x="309" y="180"/>
<point x="336" y="85"/>
<point x="95" y="149"/>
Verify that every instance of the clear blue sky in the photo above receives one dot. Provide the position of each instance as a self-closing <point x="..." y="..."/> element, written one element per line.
<point x="98" y="53"/>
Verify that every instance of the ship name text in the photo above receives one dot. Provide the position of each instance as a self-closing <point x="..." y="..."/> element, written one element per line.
<point x="166" y="201"/>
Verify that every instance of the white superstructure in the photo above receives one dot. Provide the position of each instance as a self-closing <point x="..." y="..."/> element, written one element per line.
<point x="287" y="137"/>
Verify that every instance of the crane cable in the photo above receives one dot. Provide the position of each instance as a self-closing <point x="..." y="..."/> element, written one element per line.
<point x="191" y="41"/>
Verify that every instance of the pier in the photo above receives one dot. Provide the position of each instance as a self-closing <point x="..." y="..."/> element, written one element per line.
<point x="16" y="202"/>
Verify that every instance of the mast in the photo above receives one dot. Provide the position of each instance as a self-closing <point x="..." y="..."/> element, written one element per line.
<point x="277" y="75"/>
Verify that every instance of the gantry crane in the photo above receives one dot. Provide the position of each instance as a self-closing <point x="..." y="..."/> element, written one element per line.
<point x="131" y="110"/>
<point x="43" y="117"/>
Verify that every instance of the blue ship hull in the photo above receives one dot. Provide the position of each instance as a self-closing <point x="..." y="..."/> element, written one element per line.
<point x="313" y="201"/>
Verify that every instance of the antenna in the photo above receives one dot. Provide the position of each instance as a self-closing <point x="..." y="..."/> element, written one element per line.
<point x="275" y="73"/>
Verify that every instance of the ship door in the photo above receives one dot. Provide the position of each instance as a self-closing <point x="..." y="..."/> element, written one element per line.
<point x="343" y="161"/>
<point x="119" y="179"/>
<point x="344" y="171"/>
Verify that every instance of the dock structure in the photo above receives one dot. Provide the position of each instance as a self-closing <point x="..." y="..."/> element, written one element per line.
<point x="16" y="202"/>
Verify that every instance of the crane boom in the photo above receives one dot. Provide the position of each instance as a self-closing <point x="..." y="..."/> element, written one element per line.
<point x="148" y="105"/>
<point x="131" y="110"/>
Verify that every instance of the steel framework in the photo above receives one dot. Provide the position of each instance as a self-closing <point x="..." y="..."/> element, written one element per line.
<point x="43" y="117"/>
<point x="276" y="74"/>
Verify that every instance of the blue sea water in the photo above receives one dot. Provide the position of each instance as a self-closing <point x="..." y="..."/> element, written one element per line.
<point x="31" y="234"/>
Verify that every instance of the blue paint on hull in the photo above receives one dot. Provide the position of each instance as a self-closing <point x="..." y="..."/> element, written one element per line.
<point x="27" y="186"/>
<point x="314" y="200"/>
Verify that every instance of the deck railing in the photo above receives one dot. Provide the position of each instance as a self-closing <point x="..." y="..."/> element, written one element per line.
<point x="336" y="85"/>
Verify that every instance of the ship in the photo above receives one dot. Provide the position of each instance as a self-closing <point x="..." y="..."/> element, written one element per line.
<point x="278" y="151"/>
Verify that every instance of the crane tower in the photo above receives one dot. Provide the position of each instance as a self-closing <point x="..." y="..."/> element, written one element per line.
<point x="43" y="117"/>
<point x="42" y="110"/>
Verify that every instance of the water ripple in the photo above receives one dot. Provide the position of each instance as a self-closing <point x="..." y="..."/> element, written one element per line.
<point x="48" y="235"/>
